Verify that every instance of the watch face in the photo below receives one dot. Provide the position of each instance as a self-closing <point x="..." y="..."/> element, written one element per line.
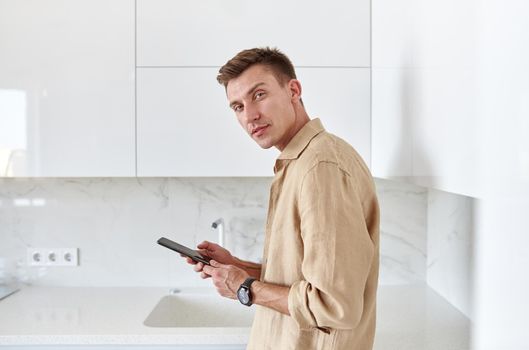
<point x="242" y="294"/>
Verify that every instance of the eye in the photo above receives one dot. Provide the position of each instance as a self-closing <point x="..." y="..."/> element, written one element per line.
<point x="259" y="95"/>
<point x="237" y="108"/>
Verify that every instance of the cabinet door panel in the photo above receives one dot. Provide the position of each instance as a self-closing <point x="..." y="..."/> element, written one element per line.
<point x="209" y="32"/>
<point x="427" y="126"/>
<point x="185" y="127"/>
<point x="67" y="88"/>
<point x="340" y="97"/>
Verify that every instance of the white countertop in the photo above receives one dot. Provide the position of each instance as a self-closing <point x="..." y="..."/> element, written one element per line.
<point x="409" y="317"/>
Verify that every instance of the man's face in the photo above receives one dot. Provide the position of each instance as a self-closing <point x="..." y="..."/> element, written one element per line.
<point x="263" y="107"/>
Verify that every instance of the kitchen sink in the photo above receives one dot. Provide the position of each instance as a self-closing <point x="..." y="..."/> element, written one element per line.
<point x="185" y="309"/>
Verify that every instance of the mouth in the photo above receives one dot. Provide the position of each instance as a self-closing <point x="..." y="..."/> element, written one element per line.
<point x="258" y="131"/>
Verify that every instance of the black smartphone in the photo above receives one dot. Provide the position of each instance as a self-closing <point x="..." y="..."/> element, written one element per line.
<point x="193" y="254"/>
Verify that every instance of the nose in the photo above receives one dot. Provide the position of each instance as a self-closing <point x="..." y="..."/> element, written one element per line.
<point x="251" y="114"/>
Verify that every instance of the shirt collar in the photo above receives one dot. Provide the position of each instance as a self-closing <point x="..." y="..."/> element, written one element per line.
<point x="301" y="140"/>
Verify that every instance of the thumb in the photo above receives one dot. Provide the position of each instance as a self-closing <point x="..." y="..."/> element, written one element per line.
<point x="203" y="245"/>
<point x="215" y="263"/>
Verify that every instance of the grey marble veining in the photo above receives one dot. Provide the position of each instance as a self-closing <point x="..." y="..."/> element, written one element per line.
<point x="116" y="221"/>
<point x="450" y="247"/>
<point x="402" y="232"/>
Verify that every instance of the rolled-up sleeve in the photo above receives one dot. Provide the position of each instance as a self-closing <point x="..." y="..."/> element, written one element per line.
<point x="337" y="251"/>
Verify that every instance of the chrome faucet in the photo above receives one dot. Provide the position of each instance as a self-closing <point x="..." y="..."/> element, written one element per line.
<point x="219" y="223"/>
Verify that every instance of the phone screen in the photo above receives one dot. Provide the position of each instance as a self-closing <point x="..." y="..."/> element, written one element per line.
<point x="193" y="254"/>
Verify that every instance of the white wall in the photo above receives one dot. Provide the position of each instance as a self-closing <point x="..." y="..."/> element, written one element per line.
<point x="451" y="111"/>
<point x="424" y="79"/>
<point x="502" y="285"/>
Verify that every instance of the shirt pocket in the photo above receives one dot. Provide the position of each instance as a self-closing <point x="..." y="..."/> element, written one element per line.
<point x="325" y="339"/>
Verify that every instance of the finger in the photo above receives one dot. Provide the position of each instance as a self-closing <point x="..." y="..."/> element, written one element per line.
<point x="203" y="245"/>
<point x="204" y="275"/>
<point x="191" y="261"/>
<point x="203" y="252"/>
<point x="208" y="269"/>
<point x="198" y="267"/>
<point x="215" y="263"/>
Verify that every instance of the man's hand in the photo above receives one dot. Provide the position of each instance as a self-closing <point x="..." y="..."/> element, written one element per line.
<point x="226" y="278"/>
<point x="228" y="272"/>
<point x="214" y="251"/>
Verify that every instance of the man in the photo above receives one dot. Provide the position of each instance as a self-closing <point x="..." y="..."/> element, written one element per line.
<point x="316" y="288"/>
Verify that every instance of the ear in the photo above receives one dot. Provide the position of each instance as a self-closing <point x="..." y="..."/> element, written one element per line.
<point x="294" y="87"/>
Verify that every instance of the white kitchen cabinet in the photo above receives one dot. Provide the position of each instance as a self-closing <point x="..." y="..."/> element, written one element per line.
<point x="67" y="88"/>
<point x="426" y="122"/>
<point x="209" y="32"/>
<point x="136" y="347"/>
<point x="341" y="98"/>
<point x="185" y="127"/>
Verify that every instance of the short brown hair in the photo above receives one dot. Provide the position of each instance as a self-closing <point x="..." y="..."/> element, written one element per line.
<point x="274" y="59"/>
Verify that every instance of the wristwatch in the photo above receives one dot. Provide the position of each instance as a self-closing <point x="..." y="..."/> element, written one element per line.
<point x="244" y="294"/>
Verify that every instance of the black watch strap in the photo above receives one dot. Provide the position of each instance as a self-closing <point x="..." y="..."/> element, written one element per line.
<point x="248" y="282"/>
<point x="244" y="293"/>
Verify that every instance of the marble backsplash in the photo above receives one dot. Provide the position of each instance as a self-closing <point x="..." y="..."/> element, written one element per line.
<point x="115" y="223"/>
<point x="450" y="248"/>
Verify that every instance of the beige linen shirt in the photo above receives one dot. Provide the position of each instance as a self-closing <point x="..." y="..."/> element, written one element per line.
<point x="322" y="240"/>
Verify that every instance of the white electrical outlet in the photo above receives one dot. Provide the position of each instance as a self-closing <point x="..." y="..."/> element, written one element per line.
<point x="53" y="256"/>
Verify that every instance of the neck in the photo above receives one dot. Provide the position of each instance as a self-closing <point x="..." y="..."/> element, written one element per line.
<point x="302" y="118"/>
